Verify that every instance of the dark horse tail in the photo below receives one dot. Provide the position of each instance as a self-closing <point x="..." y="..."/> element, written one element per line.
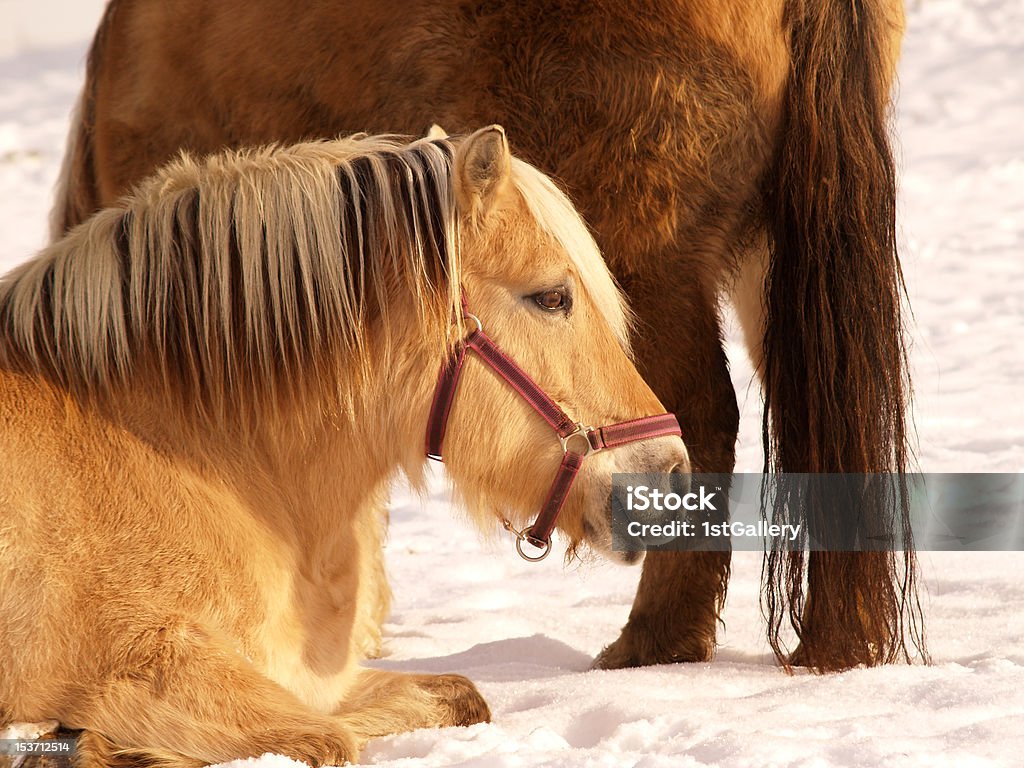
<point x="836" y="379"/>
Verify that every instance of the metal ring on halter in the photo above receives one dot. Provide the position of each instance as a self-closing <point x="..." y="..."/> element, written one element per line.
<point x="475" y="319"/>
<point x="582" y="432"/>
<point x="521" y="537"/>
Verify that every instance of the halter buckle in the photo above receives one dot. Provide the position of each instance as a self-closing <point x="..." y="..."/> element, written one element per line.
<point x="583" y="433"/>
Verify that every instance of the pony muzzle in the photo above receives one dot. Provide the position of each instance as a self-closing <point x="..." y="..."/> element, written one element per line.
<point x="577" y="440"/>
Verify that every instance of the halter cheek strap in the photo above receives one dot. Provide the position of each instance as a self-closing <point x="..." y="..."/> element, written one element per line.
<point x="578" y="441"/>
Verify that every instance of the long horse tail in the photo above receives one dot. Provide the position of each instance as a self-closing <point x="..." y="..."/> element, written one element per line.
<point x="77" y="194"/>
<point x="836" y="381"/>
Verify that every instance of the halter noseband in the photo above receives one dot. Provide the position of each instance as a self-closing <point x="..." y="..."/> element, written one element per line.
<point x="578" y="441"/>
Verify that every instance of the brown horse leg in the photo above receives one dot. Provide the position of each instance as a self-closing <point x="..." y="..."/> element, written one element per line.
<point x="675" y="612"/>
<point x="383" y="702"/>
<point x="180" y="696"/>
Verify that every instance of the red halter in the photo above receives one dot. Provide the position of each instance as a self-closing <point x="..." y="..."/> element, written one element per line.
<point x="585" y="440"/>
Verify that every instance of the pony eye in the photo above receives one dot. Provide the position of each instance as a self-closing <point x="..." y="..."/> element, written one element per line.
<point x="554" y="300"/>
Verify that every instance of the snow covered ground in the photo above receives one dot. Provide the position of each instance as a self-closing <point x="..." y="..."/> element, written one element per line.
<point x="471" y="607"/>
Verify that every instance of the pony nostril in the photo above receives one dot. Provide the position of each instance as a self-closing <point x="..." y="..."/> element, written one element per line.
<point x="681" y="479"/>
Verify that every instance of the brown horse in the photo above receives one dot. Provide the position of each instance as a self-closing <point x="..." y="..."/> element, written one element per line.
<point x="736" y="147"/>
<point x="204" y="394"/>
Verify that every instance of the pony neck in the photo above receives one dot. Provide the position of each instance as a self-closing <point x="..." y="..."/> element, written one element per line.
<point x="308" y="470"/>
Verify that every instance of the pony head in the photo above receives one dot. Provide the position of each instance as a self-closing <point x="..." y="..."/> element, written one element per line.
<point x="534" y="277"/>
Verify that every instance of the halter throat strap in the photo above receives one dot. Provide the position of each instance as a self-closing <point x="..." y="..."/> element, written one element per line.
<point x="578" y="441"/>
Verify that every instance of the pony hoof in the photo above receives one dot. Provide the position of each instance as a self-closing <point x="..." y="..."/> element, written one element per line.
<point x="318" y="749"/>
<point x="460" y="701"/>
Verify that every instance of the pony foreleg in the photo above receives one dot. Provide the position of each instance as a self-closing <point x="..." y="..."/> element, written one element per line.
<point x="373" y="603"/>
<point x="382" y="702"/>
<point x="178" y="697"/>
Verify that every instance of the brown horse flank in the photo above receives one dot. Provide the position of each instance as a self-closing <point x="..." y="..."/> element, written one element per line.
<point x="204" y="394"/>
<point x="733" y="147"/>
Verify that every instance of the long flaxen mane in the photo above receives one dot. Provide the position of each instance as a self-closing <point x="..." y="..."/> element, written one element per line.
<point x="226" y="278"/>
<point x="230" y="280"/>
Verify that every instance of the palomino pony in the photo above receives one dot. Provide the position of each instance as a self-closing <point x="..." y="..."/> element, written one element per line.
<point x="715" y="146"/>
<point x="203" y="395"/>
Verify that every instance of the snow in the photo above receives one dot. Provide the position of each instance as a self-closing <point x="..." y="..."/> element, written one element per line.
<point x="469" y="606"/>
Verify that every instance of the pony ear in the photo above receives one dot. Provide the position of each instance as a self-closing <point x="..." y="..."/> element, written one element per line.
<point x="483" y="167"/>
<point x="436" y="132"/>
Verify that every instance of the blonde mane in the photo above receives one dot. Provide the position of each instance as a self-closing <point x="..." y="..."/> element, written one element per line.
<point x="224" y="276"/>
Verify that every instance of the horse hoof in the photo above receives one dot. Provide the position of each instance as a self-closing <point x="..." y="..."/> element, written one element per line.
<point x="832" y="659"/>
<point x="640" y="649"/>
